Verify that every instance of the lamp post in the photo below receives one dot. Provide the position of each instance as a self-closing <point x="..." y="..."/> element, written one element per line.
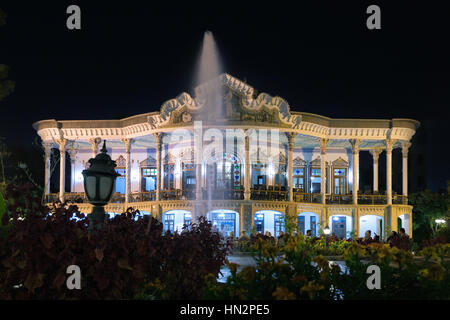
<point x="99" y="181"/>
<point x="326" y="231"/>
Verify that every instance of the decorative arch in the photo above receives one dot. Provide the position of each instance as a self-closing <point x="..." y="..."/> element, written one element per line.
<point x="269" y="221"/>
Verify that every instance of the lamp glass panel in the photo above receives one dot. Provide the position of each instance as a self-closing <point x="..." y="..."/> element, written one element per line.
<point x="90" y="185"/>
<point x="105" y="187"/>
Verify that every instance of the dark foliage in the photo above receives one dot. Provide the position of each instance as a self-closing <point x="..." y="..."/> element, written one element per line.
<point x="116" y="262"/>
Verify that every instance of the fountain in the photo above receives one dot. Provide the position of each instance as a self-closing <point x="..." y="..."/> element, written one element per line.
<point x="209" y="91"/>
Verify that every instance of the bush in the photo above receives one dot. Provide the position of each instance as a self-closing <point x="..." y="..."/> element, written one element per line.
<point x="128" y="258"/>
<point x="294" y="272"/>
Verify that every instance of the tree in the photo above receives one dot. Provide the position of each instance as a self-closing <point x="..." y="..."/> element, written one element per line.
<point x="6" y="86"/>
<point x="427" y="207"/>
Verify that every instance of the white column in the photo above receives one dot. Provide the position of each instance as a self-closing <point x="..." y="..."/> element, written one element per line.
<point x="158" y="137"/>
<point x="323" y="151"/>
<point x="95" y="142"/>
<point x="198" y="158"/>
<point x="247" y="175"/>
<point x="127" y="143"/>
<point x="389" y="144"/>
<point x="355" y="151"/>
<point x="375" y="155"/>
<point x="62" y="168"/>
<point x="47" y="158"/>
<point x="290" y="168"/>
<point x="405" y="147"/>
<point x="72" y="154"/>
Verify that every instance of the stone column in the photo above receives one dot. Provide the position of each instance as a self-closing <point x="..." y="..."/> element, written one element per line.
<point x="290" y="167"/>
<point x="62" y="168"/>
<point x="375" y="155"/>
<point x="247" y="174"/>
<point x="323" y="172"/>
<point x="158" y="137"/>
<point x="47" y="158"/>
<point x="95" y="142"/>
<point x="198" y="158"/>
<point x="355" y="151"/>
<point x="127" y="143"/>
<point x="389" y="145"/>
<point x="405" y="148"/>
<point x="72" y="153"/>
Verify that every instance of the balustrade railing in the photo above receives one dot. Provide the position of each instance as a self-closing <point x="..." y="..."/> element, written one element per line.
<point x="269" y="195"/>
<point x="142" y="196"/>
<point x="307" y="197"/>
<point x="399" y="199"/>
<point x="372" y="199"/>
<point x="339" y="199"/>
<point x="223" y="194"/>
<point x="226" y="194"/>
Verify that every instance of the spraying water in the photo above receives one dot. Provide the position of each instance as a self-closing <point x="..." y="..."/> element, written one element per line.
<point x="209" y="60"/>
<point x="209" y="89"/>
<point x="209" y="92"/>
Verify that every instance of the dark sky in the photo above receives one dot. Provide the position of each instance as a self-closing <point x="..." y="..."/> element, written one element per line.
<point x="130" y="57"/>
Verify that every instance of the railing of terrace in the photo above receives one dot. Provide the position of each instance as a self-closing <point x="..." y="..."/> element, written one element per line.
<point x="399" y="199"/>
<point x="372" y="199"/>
<point x="307" y="197"/>
<point x="339" y="199"/>
<point x="269" y="195"/>
<point x="142" y="196"/>
<point x="224" y="194"/>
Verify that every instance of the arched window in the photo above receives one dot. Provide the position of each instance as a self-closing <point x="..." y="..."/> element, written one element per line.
<point x="315" y="176"/>
<point x="169" y="172"/>
<point x="339" y="169"/>
<point x="228" y="172"/>
<point x="148" y="174"/>
<point x="298" y="175"/>
<point x="120" y="181"/>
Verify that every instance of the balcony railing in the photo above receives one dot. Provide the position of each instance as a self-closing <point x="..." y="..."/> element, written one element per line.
<point x="399" y="199"/>
<point x="372" y="199"/>
<point x="339" y="199"/>
<point x="227" y="194"/>
<point x="142" y="196"/>
<point x="223" y="194"/>
<point x="307" y="197"/>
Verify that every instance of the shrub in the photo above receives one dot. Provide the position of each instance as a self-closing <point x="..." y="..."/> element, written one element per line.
<point x="128" y="257"/>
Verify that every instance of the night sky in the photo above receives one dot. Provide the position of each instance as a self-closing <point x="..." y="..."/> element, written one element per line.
<point x="129" y="58"/>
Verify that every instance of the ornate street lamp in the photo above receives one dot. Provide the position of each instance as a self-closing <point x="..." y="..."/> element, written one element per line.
<point x="99" y="181"/>
<point x="326" y="231"/>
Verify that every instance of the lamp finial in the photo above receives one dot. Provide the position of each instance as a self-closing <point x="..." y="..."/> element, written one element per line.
<point x="104" y="147"/>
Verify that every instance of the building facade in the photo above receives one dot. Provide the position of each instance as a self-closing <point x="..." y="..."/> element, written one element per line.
<point x="272" y="162"/>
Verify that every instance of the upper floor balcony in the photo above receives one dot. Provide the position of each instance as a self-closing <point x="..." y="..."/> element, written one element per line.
<point x="257" y="194"/>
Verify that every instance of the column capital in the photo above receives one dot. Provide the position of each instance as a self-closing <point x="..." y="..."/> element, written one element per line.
<point x="72" y="153"/>
<point x="405" y="148"/>
<point x="291" y="137"/>
<point x="375" y="153"/>
<point x="389" y="143"/>
<point x="62" y="144"/>
<point x="355" y="144"/>
<point x="323" y="144"/>
<point x="47" y="146"/>
<point x="158" y="137"/>
<point x="95" y="141"/>
<point x="127" y="142"/>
